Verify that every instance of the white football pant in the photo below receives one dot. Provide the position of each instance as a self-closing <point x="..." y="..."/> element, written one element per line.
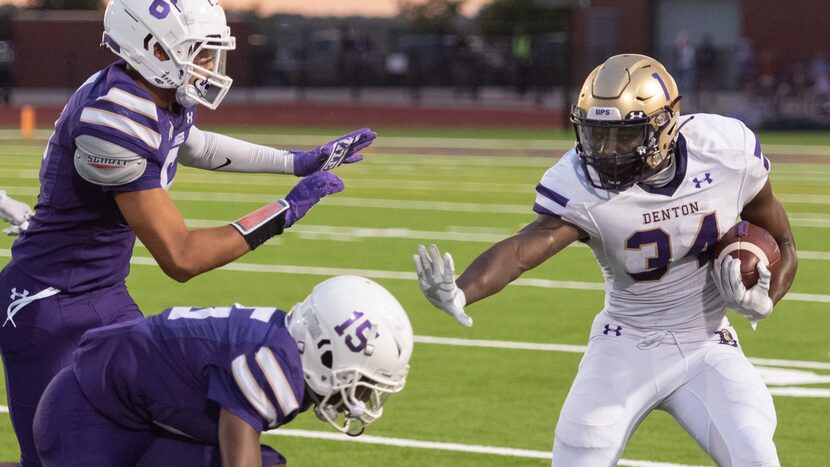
<point x="704" y="381"/>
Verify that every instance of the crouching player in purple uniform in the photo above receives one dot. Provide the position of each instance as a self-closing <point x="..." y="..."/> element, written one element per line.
<point x="104" y="178"/>
<point x="196" y="386"/>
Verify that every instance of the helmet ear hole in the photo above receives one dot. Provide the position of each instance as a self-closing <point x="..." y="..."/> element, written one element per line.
<point x="159" y="53"/>
<point x="326" y="359"/>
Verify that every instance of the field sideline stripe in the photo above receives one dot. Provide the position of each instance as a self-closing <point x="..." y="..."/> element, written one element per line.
<point x="410" y="276"/>
<point x="443" y="446"/>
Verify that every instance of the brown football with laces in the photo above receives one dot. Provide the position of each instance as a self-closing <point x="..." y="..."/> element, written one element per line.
<point x="750" y="244"/>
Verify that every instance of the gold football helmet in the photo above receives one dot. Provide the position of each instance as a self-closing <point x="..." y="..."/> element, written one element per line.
<point x="626" y="121"/>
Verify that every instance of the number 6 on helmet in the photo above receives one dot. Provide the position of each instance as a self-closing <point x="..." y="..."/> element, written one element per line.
<point x="192" y="34"/>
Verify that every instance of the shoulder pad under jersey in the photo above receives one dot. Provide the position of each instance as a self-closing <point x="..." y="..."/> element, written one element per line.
<point x="104" y="163"/>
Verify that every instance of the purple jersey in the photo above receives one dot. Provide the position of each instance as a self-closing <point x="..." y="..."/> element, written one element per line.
<point x="175" y="370"/>
<point x="78" y="240"/>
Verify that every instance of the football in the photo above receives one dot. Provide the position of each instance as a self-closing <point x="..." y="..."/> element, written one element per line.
<point x="750" y="244"/>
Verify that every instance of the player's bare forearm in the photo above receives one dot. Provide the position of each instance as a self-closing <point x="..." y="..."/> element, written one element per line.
<point x="181" y="253"/>
<point x="238" y="442"/>
<point x="505" y="261"/>
<point x="767" y="211"/>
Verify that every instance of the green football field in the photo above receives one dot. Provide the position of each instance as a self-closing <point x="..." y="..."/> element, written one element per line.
<point x="489" y="395"/>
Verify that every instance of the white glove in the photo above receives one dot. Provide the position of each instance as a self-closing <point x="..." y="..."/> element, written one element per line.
<point x="754" y="303"/>
<point x="15" y="230"/>
<point x="14" y="212"/>
<point x="437" y="279"/>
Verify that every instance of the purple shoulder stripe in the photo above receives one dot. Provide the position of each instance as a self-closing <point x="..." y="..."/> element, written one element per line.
<point x="757" y="151"/>
<point x="539" y="209"/>
<point x="552" y="195"/>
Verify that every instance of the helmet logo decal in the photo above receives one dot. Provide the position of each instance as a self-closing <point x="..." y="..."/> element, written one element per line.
<point x="160" y="8"/>
<point x="360" y="332"/>
<point x="662" y="84"/>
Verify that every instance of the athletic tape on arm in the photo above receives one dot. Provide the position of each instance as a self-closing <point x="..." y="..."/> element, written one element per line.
<point x="262" y="224"/>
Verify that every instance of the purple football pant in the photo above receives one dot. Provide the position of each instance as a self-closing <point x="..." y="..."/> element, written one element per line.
<point x="70" y="432"/>
<point x="41" y="339"/>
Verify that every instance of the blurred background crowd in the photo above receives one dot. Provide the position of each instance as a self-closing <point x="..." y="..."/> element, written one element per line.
<point x="763" y="61"/>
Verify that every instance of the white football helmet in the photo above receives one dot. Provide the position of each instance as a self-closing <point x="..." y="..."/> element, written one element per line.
<point x="193" y="33"/>
<point x="355" y="341"/>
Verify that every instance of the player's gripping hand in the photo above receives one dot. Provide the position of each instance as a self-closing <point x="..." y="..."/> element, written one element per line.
<point x="436" y="276"/>
<point x="343" y="150"/>
<point x="309" y="192"/>
<point x="754" y="303"/>
<point x="15" y="213"/>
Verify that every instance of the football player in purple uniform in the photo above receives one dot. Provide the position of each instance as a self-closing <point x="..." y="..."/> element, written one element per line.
<point x="104" y="179"/>
<point x="650" y="193"/>
<point x="197" y="386"/>
<point x="15" y="213"/>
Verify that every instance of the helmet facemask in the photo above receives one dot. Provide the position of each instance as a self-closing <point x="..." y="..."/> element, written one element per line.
<point x="627" y="121"/>
<point x="181" y="45"/>
<point x="203" y="71"/>
<point x="355" y="401"/>
<point x="617" y="154"/>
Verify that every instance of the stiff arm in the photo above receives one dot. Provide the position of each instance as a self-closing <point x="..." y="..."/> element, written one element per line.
<point x="508" y="259"/>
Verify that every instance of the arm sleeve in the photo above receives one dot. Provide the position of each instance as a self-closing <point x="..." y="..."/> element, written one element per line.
<point x="212" y="151"/>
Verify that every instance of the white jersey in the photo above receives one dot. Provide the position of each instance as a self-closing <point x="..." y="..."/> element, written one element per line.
<point x="653" y="243"/>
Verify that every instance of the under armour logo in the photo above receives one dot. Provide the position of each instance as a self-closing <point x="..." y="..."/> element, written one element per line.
<point x="726" y="338"/>
<point x="15" y="294"/>
<point x="706" y="178"/>
<point x="189" y="117"/>
<point x="615" y="331"/>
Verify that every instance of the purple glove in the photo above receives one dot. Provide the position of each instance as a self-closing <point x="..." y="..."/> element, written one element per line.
<point x="343" y="150"/>
<point x="308" y="192"/>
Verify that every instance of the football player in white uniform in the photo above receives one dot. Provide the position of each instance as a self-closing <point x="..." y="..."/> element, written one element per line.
<point x="650" y="193"/>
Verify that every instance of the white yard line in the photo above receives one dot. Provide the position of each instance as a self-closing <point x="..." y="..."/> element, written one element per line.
<point x="278" y="138"/>
<point x="443" y="446"/>
<point x="410" y="276"/>
<point x="796" y="219"/>
<point x="513" y="345"/>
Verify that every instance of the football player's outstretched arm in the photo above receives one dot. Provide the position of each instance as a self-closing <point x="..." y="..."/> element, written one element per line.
<point x="765" y="210"/>
<point x="212" y="151"/>
<point x="492" y="270"/>
<point x="183" y="254"/>
<point x="238" y="442"/>
<point x="505" y="261"/>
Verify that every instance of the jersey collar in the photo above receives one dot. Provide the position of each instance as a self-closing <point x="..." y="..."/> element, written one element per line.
<point x="670" y="188"/>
